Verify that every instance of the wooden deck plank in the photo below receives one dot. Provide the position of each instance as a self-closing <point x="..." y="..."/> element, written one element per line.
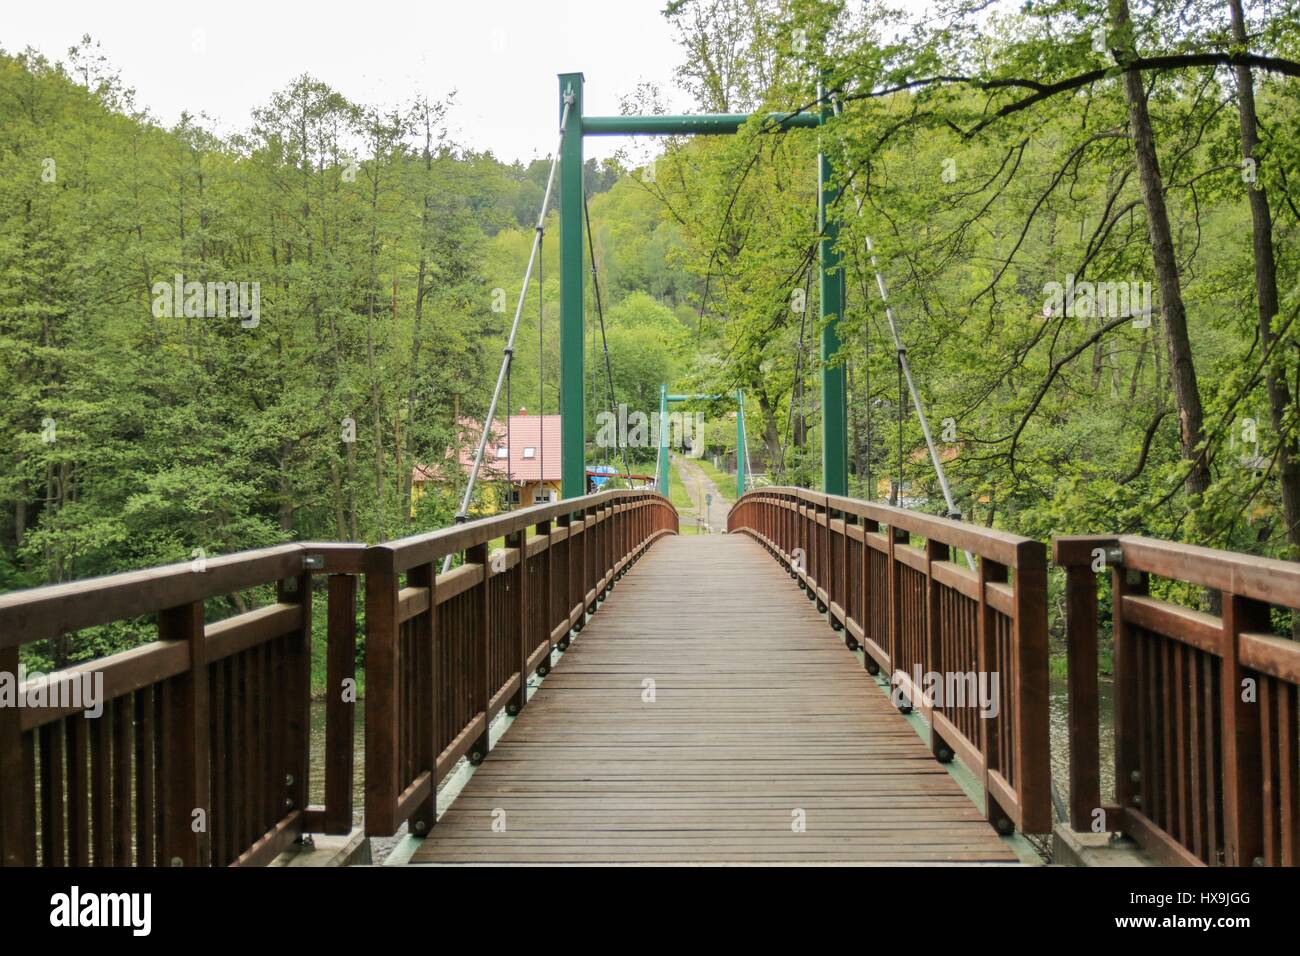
<point x="758" y="712"/>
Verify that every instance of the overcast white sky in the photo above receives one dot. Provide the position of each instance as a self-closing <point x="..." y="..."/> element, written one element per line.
<point x="502" y="56"/>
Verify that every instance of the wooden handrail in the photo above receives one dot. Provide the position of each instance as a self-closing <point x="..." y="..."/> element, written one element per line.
<point x="200" y="754"/>
<point x="1206" y="733"/>
<point x="447" y="652"/>
<point x="917" y="610"/>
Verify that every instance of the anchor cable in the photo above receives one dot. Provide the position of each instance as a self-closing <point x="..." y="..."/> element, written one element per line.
<point x="600" y="313"/>
<point x="462" y="513"/>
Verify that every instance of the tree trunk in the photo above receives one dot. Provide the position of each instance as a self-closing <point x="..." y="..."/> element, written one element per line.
<point x="1191" y="416"/>
<point x="1279" y="396"/>
<point x="771" y="434"/>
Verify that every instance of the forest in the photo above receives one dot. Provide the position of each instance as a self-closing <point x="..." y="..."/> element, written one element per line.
<point x="1006" y="172"/>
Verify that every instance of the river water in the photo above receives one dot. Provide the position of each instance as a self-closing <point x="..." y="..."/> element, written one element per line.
<point x="1061" y="738"/>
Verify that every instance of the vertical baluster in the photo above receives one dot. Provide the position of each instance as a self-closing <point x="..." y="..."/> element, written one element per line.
<point x="186" y="773"/>
<point x="101" y="776"/>
<point x="219" y="821"/>
<point x="248" y="735"/>
<point x="932" y="656"/>
<point x="1195" y="784"/>
<point x="1081" y="653"/>
<point x="1268" y="742"/>
<point x="546" y="593"/>
<point x="1033" y="769"/>
<point x="1168" y="747"/>
<point x="78" y="792"/>
<point x="146" y="843"/>
<point x="560" y="566"/>
<point x="851" y="584"/>
<point x="482" y="637"/>
<point x="519" y="578"/>
<point x="12" y="779"/>
<point x="340" y="725"/>
<point x="53" y="849"/>
<point x="424" y="666"/>
<point x="1242" y="772"/>
<point x="382" y="662"/>
<point x="1210" y="724"/>
<point x="1128" y="726"/>
<point x="589" y="571"/>
<point x="1289" y="774"/>
<point x="897" y="663"/>
<point x="121" y="797"/>
<point x="867" y="603"/>
<point x="1179" y="823"/>
<point x="295" y="697"/>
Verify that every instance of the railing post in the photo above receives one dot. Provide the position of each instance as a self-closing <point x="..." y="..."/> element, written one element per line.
<point x="1081" y="663"/>
<point x="186" y="768"/>
<point x="481" y="681"/>
<point x="1127" y="788"/>
<point x="851" y="588"/>
<point x="340" y="681"/>
<point x="1029" y="638"/>
<point x="544" y="583"/>
<point x="836" y="544"/>
<point x="590" y="556"/>
<point x="519" y="540"/>
<point x="560" y="566"/>
<point x="990" y="572"/>
<point x="610" y="542"/>
<point x="894" y="616"/>
<point x="13" y="781"/>
<point x="381" y="692"/>
<point x="424" y="699"/>
<point x="869" y="527"/>
<point x="296" y="687"/>
<point x="789" y="526"/>
<point x="1243" y="779"/>
<point x="625" y="525"/>
<point x="814" y="548"/>
<point x="934" y="551"/>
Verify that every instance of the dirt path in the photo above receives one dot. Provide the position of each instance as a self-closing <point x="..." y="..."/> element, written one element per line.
<point x="697" y="485"/>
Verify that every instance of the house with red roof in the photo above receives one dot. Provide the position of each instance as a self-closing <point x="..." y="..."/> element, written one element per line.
<point x="522" y="458"/>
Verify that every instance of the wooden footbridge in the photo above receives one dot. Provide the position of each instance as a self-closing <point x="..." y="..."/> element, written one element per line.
<point x="703" y="719"/>
<point x="706" y="710"/>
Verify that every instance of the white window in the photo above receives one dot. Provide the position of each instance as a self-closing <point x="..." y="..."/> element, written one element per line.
<point x="542" y="497"/>
<point x="503" y="451"/>
<point x="530" y="452"/>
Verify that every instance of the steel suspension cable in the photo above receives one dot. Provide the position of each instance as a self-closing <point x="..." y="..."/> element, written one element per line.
<point x="600" y="313"/>
<point x="901" y="401"/>
<point x="462" y="513"/>
<point x="798" y="371"/>
<point x="749" y="468"/>
<point x="510" y="448"/>
<point x="904" y="367"/>
<point x="541" y="381"/>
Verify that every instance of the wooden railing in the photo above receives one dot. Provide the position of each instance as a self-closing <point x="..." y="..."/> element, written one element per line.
<point x="200" y="755"/>
<point x="446" y="652"/>
<point x="1207" y="740"/>
<point x="921" y="610"/>
<point x="197" y="751"/>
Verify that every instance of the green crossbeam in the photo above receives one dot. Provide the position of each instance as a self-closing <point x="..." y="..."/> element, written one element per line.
<point x="572" y="277"/>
